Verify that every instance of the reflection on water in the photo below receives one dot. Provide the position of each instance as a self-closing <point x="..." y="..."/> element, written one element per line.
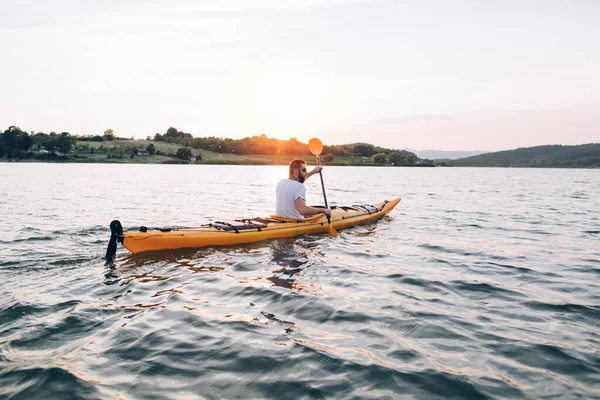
<point x="291" y="258"/>
<point x="295" y="257"/>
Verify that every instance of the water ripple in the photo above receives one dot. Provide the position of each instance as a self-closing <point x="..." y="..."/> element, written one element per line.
<point x="457" y="294"/>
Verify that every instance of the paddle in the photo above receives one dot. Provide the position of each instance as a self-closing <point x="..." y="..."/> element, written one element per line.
<point x="316" y="147"/>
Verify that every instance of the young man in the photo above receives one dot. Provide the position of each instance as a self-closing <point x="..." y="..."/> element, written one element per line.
<point x="291" y="193"/>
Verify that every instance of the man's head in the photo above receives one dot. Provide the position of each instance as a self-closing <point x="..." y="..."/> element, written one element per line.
<point x="298" y="170"/>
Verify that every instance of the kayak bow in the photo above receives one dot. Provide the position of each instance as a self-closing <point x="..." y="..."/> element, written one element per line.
<point x="226" y="233"/>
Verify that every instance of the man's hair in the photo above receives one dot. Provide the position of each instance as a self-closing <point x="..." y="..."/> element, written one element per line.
<point x="296" y="164"/>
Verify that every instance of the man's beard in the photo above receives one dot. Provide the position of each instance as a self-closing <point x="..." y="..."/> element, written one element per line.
<point x="301" y="178"/>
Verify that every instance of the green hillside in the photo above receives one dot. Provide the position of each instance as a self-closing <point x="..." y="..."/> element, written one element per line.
<point x="167" y="150"/>
<point x="555" y="156"/>
<point x="176" y="147"/>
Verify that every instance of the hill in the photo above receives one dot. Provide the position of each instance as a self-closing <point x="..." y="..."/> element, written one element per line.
<point x="554" y="156"/>
<point x="182" y="148"/>
<point x="445" y="154"/>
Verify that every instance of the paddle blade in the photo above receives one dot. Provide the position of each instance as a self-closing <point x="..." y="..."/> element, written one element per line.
<point x="315" y="146"/>
<point x="332" y="231"/>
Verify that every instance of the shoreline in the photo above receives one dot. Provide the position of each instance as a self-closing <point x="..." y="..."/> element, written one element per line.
<point x="224" y="162"/>
<point x="35" y="161"/>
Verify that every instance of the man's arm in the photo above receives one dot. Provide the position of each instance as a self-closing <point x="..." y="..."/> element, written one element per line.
<point x="303" y="209"/>
<point x="314" y="171"/>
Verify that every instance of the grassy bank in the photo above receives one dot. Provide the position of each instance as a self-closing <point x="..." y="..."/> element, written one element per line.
<point x="120" y="151"/>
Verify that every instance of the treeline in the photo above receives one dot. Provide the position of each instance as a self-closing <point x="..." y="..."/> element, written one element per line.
<point x="259" y="145"/>
<point x="109" y="135"/>
<point x="18" y="144"/>
<point x="263" y="145"/>
<point x="399" y="158"/>
<point x="554" y="156"/>
<point x="15" y="143"/>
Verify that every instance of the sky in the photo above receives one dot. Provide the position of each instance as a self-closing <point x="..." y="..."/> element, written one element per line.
<point x="446" y="74"/>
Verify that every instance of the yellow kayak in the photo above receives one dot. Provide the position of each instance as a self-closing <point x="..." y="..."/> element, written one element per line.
<point x="226" y="233"/>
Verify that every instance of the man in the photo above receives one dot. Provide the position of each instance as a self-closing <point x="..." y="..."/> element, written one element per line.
<point x="291" y="193"/>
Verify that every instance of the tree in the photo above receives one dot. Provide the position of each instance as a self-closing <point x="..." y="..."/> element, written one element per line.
<point x="411" y="158"/>
<point x="14" y="141"/>
<point x="395" y="158"/>
<point x="24" y="141"/>
<point x="364" y="150"/>
<point x="380" y="158"/>
<point x="64" y="142"/>
<point x="109" y="134"/>
<point x="335" y="150"/>
<point x="184" y="153"/>
<point x="50" y="142"/>
<point x="151" y="149"/>
<point x="39" y="139"/>
<point x="175" y="136"/>
<point x="9" y="137"/>
<point x="328" y="157"/>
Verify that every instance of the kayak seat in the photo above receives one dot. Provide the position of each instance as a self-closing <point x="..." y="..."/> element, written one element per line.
<point x="262" y="220"/>
<point x="295" y="220"/>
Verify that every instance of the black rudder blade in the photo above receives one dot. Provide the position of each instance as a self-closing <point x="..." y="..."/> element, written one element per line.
<point x="116" y="232"/>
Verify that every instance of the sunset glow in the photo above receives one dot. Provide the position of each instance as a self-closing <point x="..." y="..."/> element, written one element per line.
<point x="444" y="75"/>
<point x="293" y="95"/>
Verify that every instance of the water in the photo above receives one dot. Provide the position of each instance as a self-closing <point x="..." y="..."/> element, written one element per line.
<point x="482" y="283"/>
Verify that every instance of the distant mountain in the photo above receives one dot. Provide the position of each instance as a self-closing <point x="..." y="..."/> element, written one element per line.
<point x="555" y="156"/>
<point x="444" y="155"/>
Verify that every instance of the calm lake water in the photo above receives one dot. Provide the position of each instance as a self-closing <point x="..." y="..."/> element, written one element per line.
<point x="482" y="283"/>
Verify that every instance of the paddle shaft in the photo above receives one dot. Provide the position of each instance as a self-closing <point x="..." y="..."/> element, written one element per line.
<point x="316" y="147"/>
<point x="322" y="183"/>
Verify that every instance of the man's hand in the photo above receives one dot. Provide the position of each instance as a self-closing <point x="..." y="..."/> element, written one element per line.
<point x="316" y="169"/>
<point x="327" y="212"/>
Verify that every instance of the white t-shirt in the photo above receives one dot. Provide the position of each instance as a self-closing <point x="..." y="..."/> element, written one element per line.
<point x="287" y="191"/>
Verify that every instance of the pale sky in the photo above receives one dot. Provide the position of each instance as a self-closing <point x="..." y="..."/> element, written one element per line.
<point x="446" y="74"/>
